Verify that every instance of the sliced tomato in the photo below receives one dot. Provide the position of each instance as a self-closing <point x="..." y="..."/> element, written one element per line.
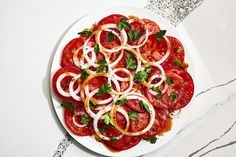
<point x="65" y="82"/>
<point x="124" y="143"/>
<point x="152" y="26"/>
<point x="134" y="104"/>
<point x="153" y="50"/>
<point x="176" y="54"/>
<point x="161" y="117"/>
<point x="153" y="131"/>
<point x="81" y="131"/>
<point x="69" y="50"/>
<point x="114" y="18"/>
<point x="181" y="90"/>
<point x="141" y="122"/>
<point x="135" y="27"/>
<point x="109" y="44"/>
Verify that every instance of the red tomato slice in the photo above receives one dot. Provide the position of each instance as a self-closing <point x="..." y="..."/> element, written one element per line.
<point x="182" y="88"/>
<point x="140" y="123"/>
<point x="135" y="26"/>
<point x="65" y="82"/>
<point x="134" y="104"/>
<point x="176" y="52"/>
<point x="124" y="143"/>
<point x="151" y="25"/>
<point x="153" y="50"/>
<point x="81" y="131"/>
<point x="109" y="44"/>
<point x="68" y="51"/>
<point x="153" y="131"/>
<point x="114" y="18"/>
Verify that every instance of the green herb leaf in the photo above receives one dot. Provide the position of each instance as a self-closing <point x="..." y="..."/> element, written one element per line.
<point x="96" y="48"/>
<point x="85" y="119"/>
<point x="145" y="106"/>
<point x="121" y="101"/>
<point x="85" y="73"/>
<point x="180" y="49"/>
<point x="92" y="105"/>
<point x="134" y="34"/>
<point x="113" y="139"/>
<point x="123" y="23"/>
<point x="106" y="119"/>
<point x="140" y="76"/>
<point x="177" y="62"/>
<point x="159" y="95"/>
<point x="110" y="37"/>
<point x="85" y="32"/>
<point x="160" y="34"/>
<point x="102" y="128"/>
<point x="130" y="61"/>
<point x="103" y="65"/>
<point x="67" y="105"/>
<point x="133" y="115"/>
<point x="151" y="140"/>
<point x="104" y="89"/>
<point x="148" y="70"/>
<point x="169" y="81"/>
<point x="173" y="96"/>
<point x="137" y="34"/>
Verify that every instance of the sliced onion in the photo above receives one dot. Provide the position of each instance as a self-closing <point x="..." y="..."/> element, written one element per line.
<point x="99" y="115"/>
<point x="78" y="114"/>
<point x="73" y="92"/>
<point x="58" y="83"/>
<point x="134" y="95"/>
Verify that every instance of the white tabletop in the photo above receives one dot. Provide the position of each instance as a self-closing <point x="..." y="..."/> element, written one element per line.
<point x="29" y="32"/>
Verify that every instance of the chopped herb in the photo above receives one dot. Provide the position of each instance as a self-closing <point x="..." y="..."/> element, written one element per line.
<point x="133" y="115"/>
<point x="107" y="119"/>
<point x="110" y="37"/>
<point x="159" y="95"/>
<point x="173" y="96"/>
<point x="180" y="49"/>
<point x="123" y="23"/>
<point x="96" y="48"/>
<point x="134" y="34"/>
<point x="148" y="70"/>
<point x="169" y="81"/>
<point x="121" y="101"/>
<point x="140" y="76"/>
<point x="103" y="65"/>
<point x="67" y="105"/>
<point x="177" y="62"/>
<point x="102" y="128"/>
<point x="85" y="32"/>
<point x="113" y="139"/>
<point x="85" y="73"/>
<point x="151" y="140"/>
<point x="92" y="105"/>
<point x="130" y="61"/>
<point x="104" y="89"/>
<point x="145" y="106"/>
<point x="160" y="34"/>
<point x="85" y="119"/>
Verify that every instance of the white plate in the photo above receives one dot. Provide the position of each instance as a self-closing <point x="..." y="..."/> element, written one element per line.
<point x="85" y="22"/>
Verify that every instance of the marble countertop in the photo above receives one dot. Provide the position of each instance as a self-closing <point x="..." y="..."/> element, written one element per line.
<point x="29" y="32"/>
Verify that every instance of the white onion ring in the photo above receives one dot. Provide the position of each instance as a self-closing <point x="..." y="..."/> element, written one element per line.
<point x="77" y="124"/>
<point x="73" y="92"/>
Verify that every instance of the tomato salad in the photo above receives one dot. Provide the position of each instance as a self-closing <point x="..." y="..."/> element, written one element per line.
<point x="121" y="79"/>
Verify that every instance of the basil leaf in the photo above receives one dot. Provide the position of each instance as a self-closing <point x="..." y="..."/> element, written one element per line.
<point x="130" y="61"/>
<point x="96" y="48"/>
<point x="160" y="34"/>
<point x="173" y="96"/>
<point x="145" y="106"/>
<point x="151" y="140"/>
<point x="169" y="81"/>
<point x="110" y="37"/>
<point x="121" y="101"/>
<point x="104" y="89"/>
<point x="85" y="32"/>
<point x="133" y="115"/>
<point x="85" y="73"/>
<point x="85" y="119"/>
<point x="123" y="23"/>
<point x="68" y="105"/>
